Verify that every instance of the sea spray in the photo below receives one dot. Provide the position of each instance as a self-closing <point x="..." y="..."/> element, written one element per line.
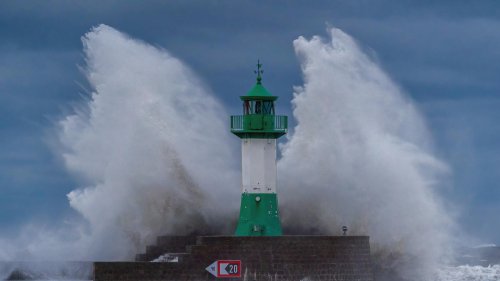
<point x="361" y="156"/>
<point x="152" y="145"/>
<point x="152" y="150"/>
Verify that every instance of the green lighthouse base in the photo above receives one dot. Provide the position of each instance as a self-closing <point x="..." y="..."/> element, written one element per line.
<point x="259" y="215"/>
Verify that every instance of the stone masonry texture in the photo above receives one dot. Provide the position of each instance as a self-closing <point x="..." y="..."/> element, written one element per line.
<point x="341" y="258"/>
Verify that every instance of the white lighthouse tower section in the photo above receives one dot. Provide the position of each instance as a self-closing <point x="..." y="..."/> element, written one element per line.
<point x="258" y="165"/>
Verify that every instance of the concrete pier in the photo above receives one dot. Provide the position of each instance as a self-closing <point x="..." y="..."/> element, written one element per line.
<point x="342" y="258"/>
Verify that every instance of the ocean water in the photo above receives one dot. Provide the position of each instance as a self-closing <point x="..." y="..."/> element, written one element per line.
<point x="452" y="273"/>
<point x="45" y="270"/>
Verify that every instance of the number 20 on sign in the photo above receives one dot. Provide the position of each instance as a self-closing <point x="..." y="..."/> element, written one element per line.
<point x="225" y="268"/>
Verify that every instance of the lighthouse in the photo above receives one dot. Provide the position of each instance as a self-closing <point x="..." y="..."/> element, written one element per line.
<point x="258" y="249"/>
<point x="258" y="128"/>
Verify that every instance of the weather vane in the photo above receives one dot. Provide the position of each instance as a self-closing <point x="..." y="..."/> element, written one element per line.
<point x="259" y="71"/>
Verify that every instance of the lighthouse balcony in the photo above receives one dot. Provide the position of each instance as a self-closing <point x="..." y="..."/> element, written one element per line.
<point x="259" y="125"/>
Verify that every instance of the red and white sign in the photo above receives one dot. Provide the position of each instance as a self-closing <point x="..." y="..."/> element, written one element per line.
<point x="225" y="268"/>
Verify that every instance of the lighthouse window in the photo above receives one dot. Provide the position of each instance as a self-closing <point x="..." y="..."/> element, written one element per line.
<point x="247" y="108"/>
<point x="268" y="107"/>
<point x="258" y="107"/>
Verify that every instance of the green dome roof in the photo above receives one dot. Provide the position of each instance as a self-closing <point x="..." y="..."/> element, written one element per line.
<point x="258" y="92"/>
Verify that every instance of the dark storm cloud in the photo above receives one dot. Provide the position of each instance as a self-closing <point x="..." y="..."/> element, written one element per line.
<point x="447" y="54"/>
<point x="468" y="136"/>
<point x="208" y="32"/>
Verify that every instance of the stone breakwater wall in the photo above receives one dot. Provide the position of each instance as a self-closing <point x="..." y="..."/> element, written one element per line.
<point x="341" y="258"/>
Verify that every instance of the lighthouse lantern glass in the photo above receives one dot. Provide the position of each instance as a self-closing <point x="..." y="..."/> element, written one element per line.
<point x="258" y="107"/>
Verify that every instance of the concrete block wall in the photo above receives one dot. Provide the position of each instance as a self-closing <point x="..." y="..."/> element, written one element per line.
<point x="166" y="244"/>
<point x="342" y="258"/>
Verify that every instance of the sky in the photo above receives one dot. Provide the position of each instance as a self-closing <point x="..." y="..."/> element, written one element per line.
<point x="444" y="54"/>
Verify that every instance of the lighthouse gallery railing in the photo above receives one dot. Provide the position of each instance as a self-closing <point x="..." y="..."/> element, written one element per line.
<point x="259" y="122"/>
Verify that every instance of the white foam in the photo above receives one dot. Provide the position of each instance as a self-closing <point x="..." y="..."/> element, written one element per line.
<point x="469" y="273"/>
<point x="166" y="258"/>
<point x="153" y="146"/>
<point x="361" y="156"/>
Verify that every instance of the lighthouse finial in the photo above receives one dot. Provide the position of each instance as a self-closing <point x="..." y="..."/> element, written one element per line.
<point x="259" y="71"/>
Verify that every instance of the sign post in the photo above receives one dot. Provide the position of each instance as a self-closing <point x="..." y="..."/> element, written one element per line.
<point x="225" y="268"/>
